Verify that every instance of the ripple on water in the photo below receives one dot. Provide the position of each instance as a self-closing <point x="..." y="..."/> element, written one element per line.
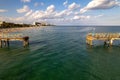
<point x="59" y="53"/>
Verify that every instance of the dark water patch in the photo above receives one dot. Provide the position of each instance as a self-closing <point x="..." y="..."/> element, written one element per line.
<point x="38" y="42"/>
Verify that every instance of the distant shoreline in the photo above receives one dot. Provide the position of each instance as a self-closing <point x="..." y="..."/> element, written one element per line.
<point x="4" y="24"/>
<point x="89" y="25"/>
<point x="64" y="26"/>
<point x="15" y="29"/>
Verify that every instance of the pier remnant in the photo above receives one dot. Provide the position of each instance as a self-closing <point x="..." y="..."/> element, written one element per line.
<point x="25" y="41"/>
<point x="5" y="39"/>
<point x="108" y="38"/>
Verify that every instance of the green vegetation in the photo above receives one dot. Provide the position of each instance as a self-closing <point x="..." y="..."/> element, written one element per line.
<point x="13" y="25"/>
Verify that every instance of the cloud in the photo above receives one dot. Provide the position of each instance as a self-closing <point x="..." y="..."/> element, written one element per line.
<point x="73" y="6"/>
<point x="51" y="8"/>
<point x="10" y="19"/>
<point x="26" y="1"/>
<point x="68" y="11"/>
<point x="29" y="13"/>
<point x="3" y="10"/>
<point x="63" y="14"/>
<point x="100" y="4"/>
<point x="65" y="3"/>
<point x="99" y="16"/>
<point x="24" y="9"/>
<point x="50" y="14"/>
<point x="37" y="4"/>
<point x="38" y="15"/>
<point x="81" y="17"/>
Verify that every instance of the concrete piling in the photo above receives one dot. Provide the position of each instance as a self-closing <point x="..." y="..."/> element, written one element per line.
<point x="5" y="41"/>
<point x="108" y="38"/>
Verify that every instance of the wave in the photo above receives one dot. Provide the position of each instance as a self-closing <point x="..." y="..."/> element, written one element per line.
<point x="86" y="29"/>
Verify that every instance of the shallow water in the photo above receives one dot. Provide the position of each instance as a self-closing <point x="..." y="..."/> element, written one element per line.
<point x="60" y="53"/>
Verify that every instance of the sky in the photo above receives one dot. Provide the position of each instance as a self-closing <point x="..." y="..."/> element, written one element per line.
<point x="61" y="12"/>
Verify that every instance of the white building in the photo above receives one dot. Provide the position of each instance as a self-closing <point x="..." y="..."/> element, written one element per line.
<point x="1" y="22"/>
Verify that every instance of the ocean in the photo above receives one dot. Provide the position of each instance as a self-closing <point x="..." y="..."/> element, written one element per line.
<point x="61" y="53"/>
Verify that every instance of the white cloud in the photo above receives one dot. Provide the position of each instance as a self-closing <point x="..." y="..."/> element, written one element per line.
<point x="68" y="11"/>
<point x="26" y="1"/>
<point x="50" y="14"/>
<point x="81" y="17"/>
<point x="24" y="9"/>
<point x="100" y="4"/>
<point x="37" y="14"/>
<point x="51" y="8"/>
<point x="63" y="14"/>
<point x="99" y="16"/>
<point x="37" y="4"/>
<point x="65" y="3"/>
<point x="10" y="19"/>
<point x="3" y="10"/>
<point x="73" y="6"/>
<point x="29" y="13"/>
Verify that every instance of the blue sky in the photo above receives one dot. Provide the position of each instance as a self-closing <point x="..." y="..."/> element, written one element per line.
<point x="61" y="12"/>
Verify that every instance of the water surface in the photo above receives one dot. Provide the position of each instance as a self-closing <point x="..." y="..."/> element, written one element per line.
<point x="60" y="53"/>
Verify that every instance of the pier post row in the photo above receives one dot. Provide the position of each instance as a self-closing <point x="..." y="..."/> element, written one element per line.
<point x="5" y="39"/>
<point x="108" y="38"/>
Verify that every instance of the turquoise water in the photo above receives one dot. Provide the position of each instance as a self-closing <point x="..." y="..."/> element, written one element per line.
<point x="60" y="53"/>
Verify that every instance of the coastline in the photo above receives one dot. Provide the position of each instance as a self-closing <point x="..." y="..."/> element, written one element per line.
<point x="17" y="29"/>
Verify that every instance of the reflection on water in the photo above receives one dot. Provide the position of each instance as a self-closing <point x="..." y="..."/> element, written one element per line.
<point x="60" y="53"/>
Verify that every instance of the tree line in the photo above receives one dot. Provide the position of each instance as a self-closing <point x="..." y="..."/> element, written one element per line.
<point x="12" y="25"/>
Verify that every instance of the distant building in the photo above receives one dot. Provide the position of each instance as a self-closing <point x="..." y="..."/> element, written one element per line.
<point x="1" y="22"/>
<point x="37" y="23"/>
<point x="41" y="24"/>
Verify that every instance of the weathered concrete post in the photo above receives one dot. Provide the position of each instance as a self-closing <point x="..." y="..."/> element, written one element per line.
<point x="4" y="43"/>
<point x="111" y="42"/>
<point x="25" y="41"/>
<point x="8" y="42"/>
<point x="91" y="42"/>
<point x="1" y="43"/>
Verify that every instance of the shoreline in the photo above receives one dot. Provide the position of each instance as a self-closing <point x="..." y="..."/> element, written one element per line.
<point x="17" y="29"/>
